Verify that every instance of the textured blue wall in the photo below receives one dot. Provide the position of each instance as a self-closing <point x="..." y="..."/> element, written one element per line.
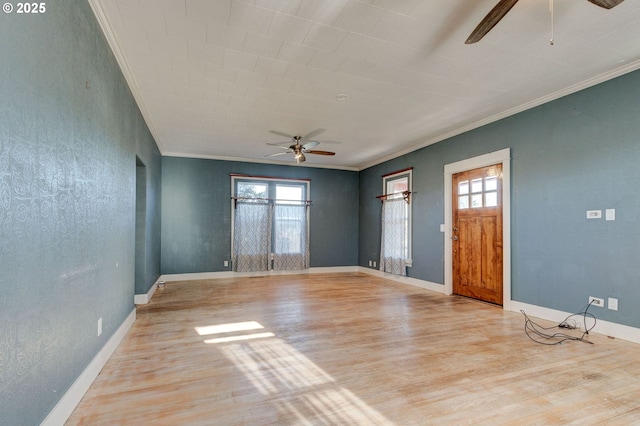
<point x="67" y="206"/>
<point x="577" y="153"/>
<point x="196" y="213"/>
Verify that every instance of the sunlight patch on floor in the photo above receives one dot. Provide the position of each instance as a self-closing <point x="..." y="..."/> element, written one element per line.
<point x="334" y="406"/>
<point x="294" y="384"/>
<point x="239" y="338"/>
<point x="228" y="328"/>
<point x="274" y="366"/>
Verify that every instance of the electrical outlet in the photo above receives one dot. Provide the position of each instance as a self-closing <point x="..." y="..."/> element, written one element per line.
<point x="99" y="326"/>
<point x="226" y="263"/>
<point x="612" y="304"/>
<point x="610" y="214"/>
<point x="374" y="263"/>
<point x="596" y="301"/>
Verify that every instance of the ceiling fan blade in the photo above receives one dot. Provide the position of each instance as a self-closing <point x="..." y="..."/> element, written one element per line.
<point x="312" y="134"/>
<point x="284" y="145"/>
<point x="310" y="144"/>
<point x="607" y="4"/>
<point x="497" y="13"/>
<point x="277" y="153"/>
<point x="320" y="152"/>
<point x="286" y="135"/>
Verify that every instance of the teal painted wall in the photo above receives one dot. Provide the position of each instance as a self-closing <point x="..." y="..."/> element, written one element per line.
<point x="67" y="203"/>
<point x="578" y="153"/>
<point x="196" y="213"/>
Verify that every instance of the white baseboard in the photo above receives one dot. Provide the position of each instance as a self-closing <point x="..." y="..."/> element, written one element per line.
<point x="65" y="406"/>
<point x="142" y="299"/>
<point x="232" y="274"/>
<point x="427" y="285"/>
<point x="607" y="328"/>
<point x="334" y="269"/>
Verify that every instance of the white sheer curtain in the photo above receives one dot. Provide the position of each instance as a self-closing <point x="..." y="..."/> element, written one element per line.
<point x="291" y="237"/>
<point x="394" y="244"/>
<point x="252" y="236"/>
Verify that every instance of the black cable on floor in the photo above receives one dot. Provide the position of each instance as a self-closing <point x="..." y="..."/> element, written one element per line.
<point x="541" y="335"/>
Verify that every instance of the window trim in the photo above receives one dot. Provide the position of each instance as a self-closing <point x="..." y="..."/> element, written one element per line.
<point x="235" y="177"/>
<point x="389" y="177"/>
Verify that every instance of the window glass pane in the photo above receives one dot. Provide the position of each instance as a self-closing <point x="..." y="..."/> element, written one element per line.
<point x="476" y="200"/>
<point x="397" y="186"/>
<point x="252" y="190"/>
<point x="463" y="187"/>
<point x="289" y="227"/>
<point x="491" y="199"/>
<point x="476" y="185"/>
<point x="288" y="194"/>
<point x="491" y="183"/>
<point x="463" y="202"/>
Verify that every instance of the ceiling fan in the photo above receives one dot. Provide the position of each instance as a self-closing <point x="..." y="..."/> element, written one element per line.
<point x="299" y="147"/>
<point x="503" y="7"/>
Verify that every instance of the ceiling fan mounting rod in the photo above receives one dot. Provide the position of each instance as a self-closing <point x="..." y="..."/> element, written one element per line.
<point x="298" y="149"/>
<point x="551" y="11"/>
<point x="504" y="6"/>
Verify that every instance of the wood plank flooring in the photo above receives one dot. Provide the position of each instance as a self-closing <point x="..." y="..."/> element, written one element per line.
<point x="350" y="349"/>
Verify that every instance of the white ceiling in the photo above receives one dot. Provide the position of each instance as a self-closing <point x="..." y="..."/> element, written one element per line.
<point x="214" y="77"/>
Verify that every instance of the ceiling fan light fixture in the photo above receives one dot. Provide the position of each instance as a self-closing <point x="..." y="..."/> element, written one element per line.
<point x="298" y="150"/>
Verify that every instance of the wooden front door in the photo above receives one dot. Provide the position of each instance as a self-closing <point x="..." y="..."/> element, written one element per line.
<point x="477" y="233"/>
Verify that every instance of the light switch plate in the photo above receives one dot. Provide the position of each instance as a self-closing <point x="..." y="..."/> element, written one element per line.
<point x="594" y="214"/>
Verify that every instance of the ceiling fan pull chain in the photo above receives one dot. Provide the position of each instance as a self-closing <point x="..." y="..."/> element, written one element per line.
<point x="551" y="11"/>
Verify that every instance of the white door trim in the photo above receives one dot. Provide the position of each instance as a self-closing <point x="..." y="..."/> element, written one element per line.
<point x="504" y="157"/>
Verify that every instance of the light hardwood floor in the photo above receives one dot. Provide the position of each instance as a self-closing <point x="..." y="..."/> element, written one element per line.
<point x="350" y="349"/>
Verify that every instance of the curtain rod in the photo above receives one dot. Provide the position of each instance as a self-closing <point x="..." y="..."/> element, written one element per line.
<point x="243" y="176"/>
<point x="270" y="200"/>
<point x="405" y="194"/>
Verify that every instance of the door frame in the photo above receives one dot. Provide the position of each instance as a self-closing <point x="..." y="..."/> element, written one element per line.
<point x="498" y="157"/>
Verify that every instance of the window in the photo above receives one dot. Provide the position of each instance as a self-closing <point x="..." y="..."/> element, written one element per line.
<point x="477" y="193"/>
<point x="289" y="219"/>
<point x="252" y="190"/>
<point x="270" y="224"/>
<point x="395" y="251"/>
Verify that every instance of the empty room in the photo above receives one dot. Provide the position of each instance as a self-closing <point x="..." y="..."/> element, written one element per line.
<point x="315" y="212"/>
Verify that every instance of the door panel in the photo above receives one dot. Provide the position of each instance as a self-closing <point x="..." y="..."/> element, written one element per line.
<point x="477" y="234"/>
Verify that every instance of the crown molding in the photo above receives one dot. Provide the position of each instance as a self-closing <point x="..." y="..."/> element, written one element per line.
<point x="585" y="84"/>
<point x="257" y="160"/>
<point x="107" y="30"/>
